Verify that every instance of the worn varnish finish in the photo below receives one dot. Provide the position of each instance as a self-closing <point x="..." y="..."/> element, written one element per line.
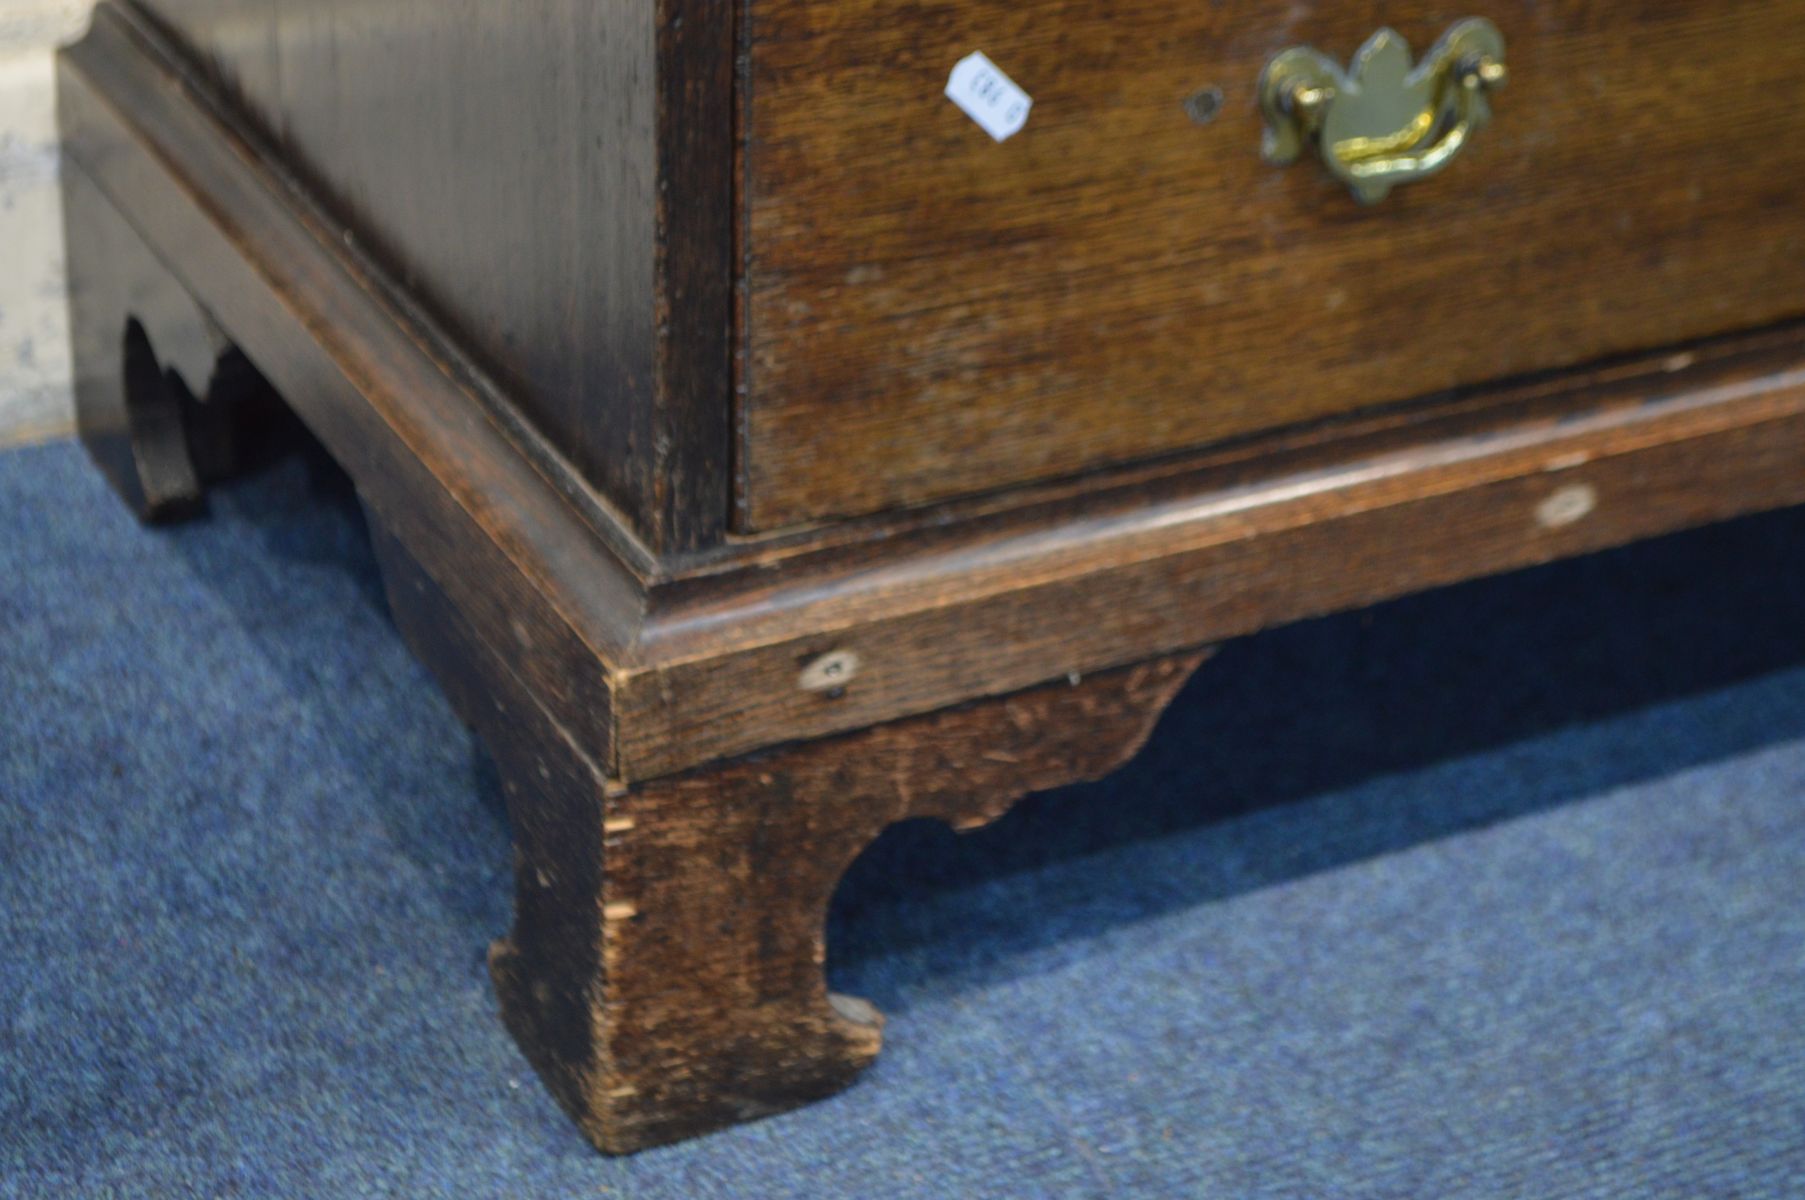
<point x="665" y="969"/>
<point x="600" y="307"/>
<point x="684" y="789"/>
<point x="1114" y="283"/>
<point x="396" y="415"/>
<point x="931" y="313"/>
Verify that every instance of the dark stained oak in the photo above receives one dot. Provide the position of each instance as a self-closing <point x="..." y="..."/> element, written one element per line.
<point x="395" y="414"/>
<point x="930" y="313"/>
<point x="698" y="730"/>
<point x="664" y="665"/>
<point x="165" y="404"/>
<point x="712" y="1006"/>
<point x="559" y="203"/>
<point x="817" y="289"/>
<point x="664" y="973"/>
<point x="125" y="309"/>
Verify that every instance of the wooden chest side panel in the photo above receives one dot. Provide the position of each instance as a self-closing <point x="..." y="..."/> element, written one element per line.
<point x="504" y="161"/>
<point x="929" y="313"/>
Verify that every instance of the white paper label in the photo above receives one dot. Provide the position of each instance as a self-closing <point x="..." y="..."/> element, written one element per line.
<point x="988" y="96"/>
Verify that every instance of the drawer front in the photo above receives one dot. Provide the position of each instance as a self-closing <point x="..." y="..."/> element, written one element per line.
<point x="927" y="312"/>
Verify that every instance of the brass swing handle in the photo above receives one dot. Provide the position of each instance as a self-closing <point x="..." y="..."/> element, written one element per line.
<point x="1381" y="121"/>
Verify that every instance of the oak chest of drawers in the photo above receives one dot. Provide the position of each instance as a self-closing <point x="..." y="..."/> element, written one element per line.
<point x="782" y="419"/>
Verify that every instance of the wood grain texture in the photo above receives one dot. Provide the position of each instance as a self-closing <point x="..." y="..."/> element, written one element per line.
<point x="998" y="606"/>
<point x="683" y="800"/>
<point x="397" y="416"/>
<point x="665" y="971"/>
<point x="554" y="186"/>
<point x="712" y="1005"/>
<point x="662" y="666"/>
<point x="930" y="313"/>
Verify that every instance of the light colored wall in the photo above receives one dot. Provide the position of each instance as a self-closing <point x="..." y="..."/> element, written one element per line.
<point x="34" y="335"/>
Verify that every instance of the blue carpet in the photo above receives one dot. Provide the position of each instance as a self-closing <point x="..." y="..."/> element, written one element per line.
<point x="1498" y="891"/>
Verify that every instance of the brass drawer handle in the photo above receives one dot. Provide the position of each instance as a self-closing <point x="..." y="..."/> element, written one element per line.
<point x="1382" y="122"/>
